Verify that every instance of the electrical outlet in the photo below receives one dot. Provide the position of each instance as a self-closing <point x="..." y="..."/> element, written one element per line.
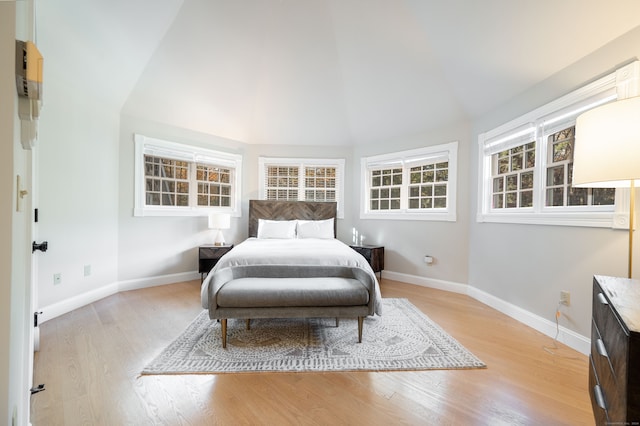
<point x="57" y="278"/>
<point x="565" y="298"/>
<point x="87" y="270"/>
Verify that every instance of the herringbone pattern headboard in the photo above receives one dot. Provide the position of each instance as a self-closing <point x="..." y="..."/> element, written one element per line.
<point x="288" y="210"/>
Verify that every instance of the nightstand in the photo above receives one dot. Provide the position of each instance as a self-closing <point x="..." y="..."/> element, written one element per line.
<point x="208" y="256"/>
<point x="373" y="254"/>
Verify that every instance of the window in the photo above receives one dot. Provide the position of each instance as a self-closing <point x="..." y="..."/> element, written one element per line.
<point x="415" y="184"/>
<point x="297" y="179"/>
<point x="214" y="185"/>
<point x="512" y="176"/>
<point x="559" y="176"/>
<point x="385" y="190"/>
<point x="428" y="186"/>
<point x="526" y="165"/>
<point x="180" y="180"/>
<point x="166" y="182"/>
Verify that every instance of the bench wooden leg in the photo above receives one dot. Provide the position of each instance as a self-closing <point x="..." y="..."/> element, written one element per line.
<point x="337" y="322"/>
<point x="360" y="322"/>
<point x="248" y="323"/>
<point x="223" y="323"/>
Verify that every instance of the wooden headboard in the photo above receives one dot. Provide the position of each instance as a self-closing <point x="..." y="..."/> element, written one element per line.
<point x="288" y="210"/>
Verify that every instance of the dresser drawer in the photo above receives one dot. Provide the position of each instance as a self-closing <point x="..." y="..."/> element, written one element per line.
<point x="613" y="335"/>
<point x="208" y="256"/>
<point x="614" y="363"/>
<point x="597" y="398"/>
<point x="611" y="389"/>
<point x="214" y="252"/>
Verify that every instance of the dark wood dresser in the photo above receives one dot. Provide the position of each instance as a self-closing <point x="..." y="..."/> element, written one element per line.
<point x="614" y="377"/>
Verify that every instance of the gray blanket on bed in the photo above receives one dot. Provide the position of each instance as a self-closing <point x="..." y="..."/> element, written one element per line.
<point x="294" y="258"/>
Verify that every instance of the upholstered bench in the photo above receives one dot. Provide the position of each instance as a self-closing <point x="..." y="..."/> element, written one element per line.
<point x="262" y="292"/>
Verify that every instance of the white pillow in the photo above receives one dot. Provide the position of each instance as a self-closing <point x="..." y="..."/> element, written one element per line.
<point x="276" y="228"/>
<point x="316" y="228"/>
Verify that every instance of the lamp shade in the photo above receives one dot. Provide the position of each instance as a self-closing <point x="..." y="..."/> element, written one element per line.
<point x="219" y="221"/>
<point x="607" y="147"/>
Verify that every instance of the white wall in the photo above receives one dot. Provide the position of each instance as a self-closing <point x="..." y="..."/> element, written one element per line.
<point x="159" y="246"/>
<point x="78" y="187"/>
<point x="407" y="242"/>
<point x="163" y="246"/>
<point x="528" y="265"/>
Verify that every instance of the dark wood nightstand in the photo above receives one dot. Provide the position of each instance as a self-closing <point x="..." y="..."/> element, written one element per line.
<point x="208" y="256"/>
<point x="373" y="254"/>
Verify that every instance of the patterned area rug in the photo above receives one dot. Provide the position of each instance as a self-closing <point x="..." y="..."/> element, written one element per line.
<point x="403" y="338"/>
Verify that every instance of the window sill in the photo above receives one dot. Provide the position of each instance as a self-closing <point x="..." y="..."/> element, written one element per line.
<point x="434" y="216"/>
<point x="591" y="220"/>
<point x="173" y="212"/>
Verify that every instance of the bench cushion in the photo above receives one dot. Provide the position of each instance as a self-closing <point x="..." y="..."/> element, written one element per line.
<point x="292" y="292"/>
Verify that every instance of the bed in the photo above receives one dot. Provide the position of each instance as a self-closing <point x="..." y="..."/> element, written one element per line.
<point x="291" y="266"/>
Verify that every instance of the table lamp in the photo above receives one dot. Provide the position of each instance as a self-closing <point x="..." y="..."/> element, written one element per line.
<point x="607" y="151"/>
<point x="219" y="221"/>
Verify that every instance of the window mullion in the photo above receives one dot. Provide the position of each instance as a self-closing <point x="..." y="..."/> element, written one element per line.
<point x="404" y="189"/>
<point x="302" y="195"/>
<point x="193" y="186"/>
<point x="541" y="171"/>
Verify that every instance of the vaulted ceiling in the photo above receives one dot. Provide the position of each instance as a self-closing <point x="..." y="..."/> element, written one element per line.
<point x="322" y="72"/>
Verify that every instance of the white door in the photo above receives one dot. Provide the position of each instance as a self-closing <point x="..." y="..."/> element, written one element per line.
<point x="22" y="300"/>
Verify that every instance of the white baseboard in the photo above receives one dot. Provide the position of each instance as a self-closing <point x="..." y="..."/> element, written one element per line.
<point x="570" y="338"/>
<point x="426" y="282"/>
<point x="157" y="280"/>
<point x="68" y="305"/>
<point x="75" y="302"/>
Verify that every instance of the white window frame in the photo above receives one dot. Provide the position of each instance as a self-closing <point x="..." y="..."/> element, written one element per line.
<point x="405" y="160"/>
<point x="301" y="163"/>
<point x="538" y="125"/>
<point x="145" y="145"/>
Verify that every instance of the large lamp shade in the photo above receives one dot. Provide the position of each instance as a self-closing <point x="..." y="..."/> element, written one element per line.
<point x="607" y="152"/>
<point x="607" y="148"/>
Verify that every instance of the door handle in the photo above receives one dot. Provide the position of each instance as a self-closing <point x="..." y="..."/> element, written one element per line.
<point x="43" y="246"/>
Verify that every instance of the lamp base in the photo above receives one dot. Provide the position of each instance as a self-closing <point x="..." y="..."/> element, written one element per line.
<point x="632" y="205"/>
<point x="219" y="241"/>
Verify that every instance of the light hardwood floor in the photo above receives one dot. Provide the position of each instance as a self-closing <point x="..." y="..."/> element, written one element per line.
<point x="90" y="361"/>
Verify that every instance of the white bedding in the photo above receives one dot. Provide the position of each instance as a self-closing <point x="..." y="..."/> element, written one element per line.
<point x="306" y="251"/>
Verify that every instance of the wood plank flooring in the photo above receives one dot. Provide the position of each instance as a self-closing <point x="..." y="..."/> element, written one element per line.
<point x="90" y="360"/>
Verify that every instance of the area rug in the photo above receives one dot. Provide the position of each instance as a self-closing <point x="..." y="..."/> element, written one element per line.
<point x="403" y="338"/>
